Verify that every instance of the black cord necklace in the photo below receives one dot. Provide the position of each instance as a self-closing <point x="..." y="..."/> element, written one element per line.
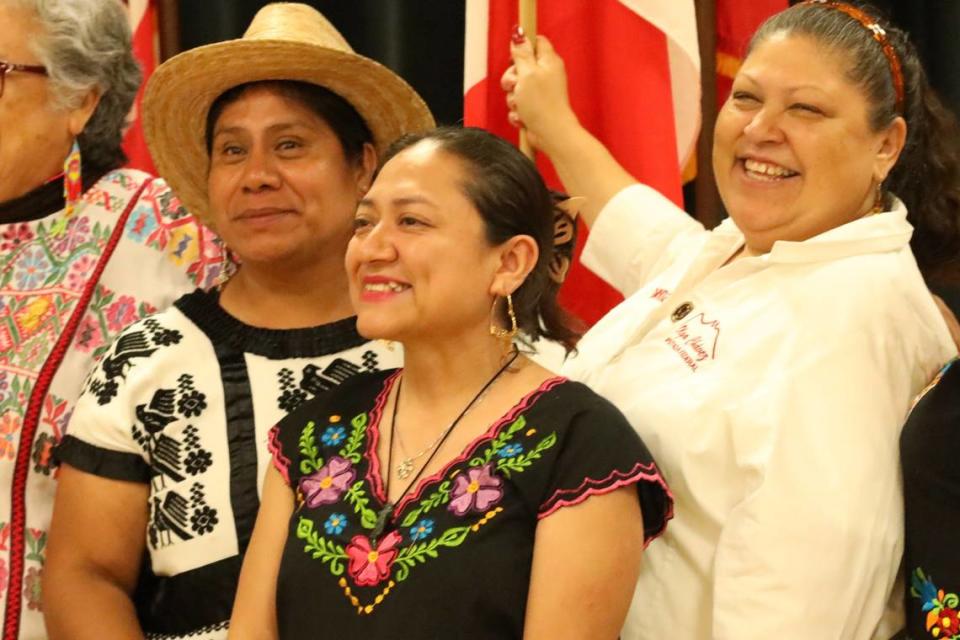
<point x="386" y="513"/>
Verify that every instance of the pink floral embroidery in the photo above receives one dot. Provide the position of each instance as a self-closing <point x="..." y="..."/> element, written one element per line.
<point x="369" y="566"/>
<point x="79" y="271"/>
<point x="327" y="484"/>
<point x="31" y="589"/>
<point x="15" y="236"/>
<point x="121" y="313"/>
<point x="476" y="490"/>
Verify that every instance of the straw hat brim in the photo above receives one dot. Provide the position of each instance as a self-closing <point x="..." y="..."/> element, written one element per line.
<point x="181" y="91"/>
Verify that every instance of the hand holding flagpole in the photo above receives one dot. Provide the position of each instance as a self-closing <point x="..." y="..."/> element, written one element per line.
<point x="528" y="22"/>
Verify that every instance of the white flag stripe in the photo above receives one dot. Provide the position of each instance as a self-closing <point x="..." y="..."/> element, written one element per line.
<point x="476" y="43"/>
<point x="135" y="10"/>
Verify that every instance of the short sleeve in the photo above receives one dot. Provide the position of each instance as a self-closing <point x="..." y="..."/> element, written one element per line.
<point x="632" y="237"/>
<point x="99" y="438"/>
<point x="599" y="453"/>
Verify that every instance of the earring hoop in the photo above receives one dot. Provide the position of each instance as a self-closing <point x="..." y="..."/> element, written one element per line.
<point x="499" y="332"/>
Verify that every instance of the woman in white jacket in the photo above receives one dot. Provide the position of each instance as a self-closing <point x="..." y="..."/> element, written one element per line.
<point x="769" y="363"/>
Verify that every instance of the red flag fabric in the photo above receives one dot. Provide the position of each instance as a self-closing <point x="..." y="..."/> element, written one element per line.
<point x="143" y="25"/>
<point x="627" y="77"/>
<point x="736" y="22"/>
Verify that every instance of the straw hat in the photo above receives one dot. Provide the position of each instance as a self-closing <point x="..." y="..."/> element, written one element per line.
<point x="285" y="41"/>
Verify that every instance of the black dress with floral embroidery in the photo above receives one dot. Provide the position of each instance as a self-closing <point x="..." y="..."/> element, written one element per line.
<point x="931" y="488"/>
<point x="455" y="560"/>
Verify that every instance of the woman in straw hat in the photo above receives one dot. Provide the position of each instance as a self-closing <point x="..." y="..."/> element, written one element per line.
<point x="472" y="494"/>
<point x="271" y="139"/>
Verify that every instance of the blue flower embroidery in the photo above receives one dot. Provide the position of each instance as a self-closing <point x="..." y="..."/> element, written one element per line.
<point x="421" y="530"/>
<point x="335" y="524"/>
<point x="511" y="450"/>
<point x="333" y="436"/>
<point x="32" y="269"/>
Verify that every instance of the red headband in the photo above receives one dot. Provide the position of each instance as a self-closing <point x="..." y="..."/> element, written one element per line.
<point x="880" y="35"/>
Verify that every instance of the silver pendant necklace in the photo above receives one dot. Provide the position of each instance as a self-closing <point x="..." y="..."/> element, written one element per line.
<point x="405" y="468"/>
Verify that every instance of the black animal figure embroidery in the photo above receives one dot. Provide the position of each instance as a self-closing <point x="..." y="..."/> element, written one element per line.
<point x="149" y="338"/>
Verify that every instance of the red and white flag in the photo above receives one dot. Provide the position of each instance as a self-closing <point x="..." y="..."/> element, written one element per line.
<point x="634" y="79"/>
<point x="143" y="25"/>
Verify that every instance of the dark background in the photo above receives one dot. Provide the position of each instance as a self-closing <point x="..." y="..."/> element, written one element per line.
<point x="422" y="40"/>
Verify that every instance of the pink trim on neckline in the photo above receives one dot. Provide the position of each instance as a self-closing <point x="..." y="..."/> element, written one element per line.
<point x="374" y="477"/>
<point x="376" y="480"/>
<point x="280" y="461"/>
<point x="589" y="487"/>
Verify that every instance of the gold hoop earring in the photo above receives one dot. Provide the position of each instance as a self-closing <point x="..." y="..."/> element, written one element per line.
<point x="499" y="332"/>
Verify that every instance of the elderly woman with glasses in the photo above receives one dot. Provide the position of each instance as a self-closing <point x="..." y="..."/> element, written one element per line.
<point x="86" y="248"/>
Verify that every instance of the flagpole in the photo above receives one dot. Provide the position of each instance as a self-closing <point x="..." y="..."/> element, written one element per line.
<point x="528" y="22"/>
<point x="708" y="208"/>
<point x="168" y="19"/>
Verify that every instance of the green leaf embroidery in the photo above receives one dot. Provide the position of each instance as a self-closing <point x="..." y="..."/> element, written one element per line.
<point x="415" y="554"/>
<point x="357" y="497"/>
<point x="351" y="451"/>
<point x="521" y="462"/>
<point x="499" y="442"/>
<point x="439" y="497"/>
<point x="36" y="540"/>
<point x="320" y="548"/>
<point x="308" y="449"/>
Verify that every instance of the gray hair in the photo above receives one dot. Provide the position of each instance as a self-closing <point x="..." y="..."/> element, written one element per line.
<point x="85" y="46"/>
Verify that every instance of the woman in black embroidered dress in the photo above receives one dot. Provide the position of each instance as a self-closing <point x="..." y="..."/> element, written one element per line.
<point x="170" y="433"/>
<point x="472" y="494"/>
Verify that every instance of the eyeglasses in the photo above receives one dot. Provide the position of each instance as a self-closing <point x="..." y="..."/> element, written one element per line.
<point x="7" y="67"/>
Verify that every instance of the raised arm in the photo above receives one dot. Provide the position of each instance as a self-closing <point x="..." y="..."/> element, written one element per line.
<point x="631" y="228"/>
<point x="254" y="610"/>
<point x="93" y="558"/>
<point x="536" y="87"/>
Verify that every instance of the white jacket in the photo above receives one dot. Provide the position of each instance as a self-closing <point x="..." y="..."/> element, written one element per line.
<point x="771" y="392"/>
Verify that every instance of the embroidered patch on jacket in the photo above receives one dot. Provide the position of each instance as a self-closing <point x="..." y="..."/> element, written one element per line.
<point x="695" y="341"/>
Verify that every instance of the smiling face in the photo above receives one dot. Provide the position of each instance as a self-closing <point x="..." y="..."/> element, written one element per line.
<point x="419" y="263"/>
<point x="793" y="152"/>
<point x="282" y="194"/>
<point x="35" y="134"/>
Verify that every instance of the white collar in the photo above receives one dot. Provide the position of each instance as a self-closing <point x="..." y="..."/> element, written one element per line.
<point x="877" y="233"/>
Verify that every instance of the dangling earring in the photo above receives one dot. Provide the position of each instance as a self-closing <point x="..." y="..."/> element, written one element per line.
<point x="72" y="189"/>
<point x="227" y="268"/>
<point x="72" y="184"/>
<point x="878" y="205"/>
<point x="498" y="332"/>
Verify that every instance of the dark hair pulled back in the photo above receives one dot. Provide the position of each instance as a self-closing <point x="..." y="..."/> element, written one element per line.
<point x="927" y="174"/>
<point x="505" y="187"/>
